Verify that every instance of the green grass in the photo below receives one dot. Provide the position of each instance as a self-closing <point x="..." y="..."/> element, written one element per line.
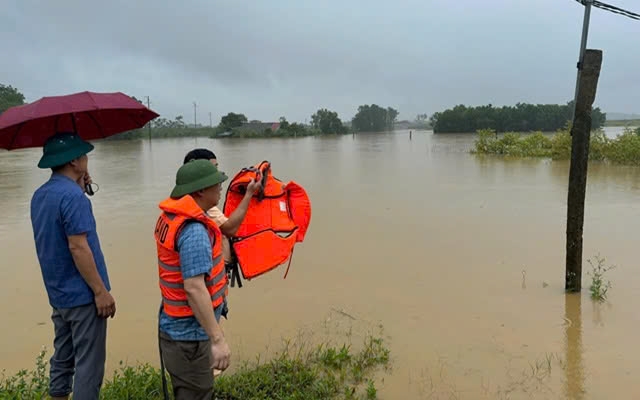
<point x="599" y="285"/>
<point x="624" y="149"/>
<point x="299" y="371"/>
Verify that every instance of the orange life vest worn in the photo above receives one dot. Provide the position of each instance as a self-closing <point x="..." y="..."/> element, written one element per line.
<point x="175" y="213"/>
<point x="278" y="217"/>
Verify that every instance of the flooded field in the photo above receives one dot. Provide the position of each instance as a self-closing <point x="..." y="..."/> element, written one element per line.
<point x="460" y="258"/>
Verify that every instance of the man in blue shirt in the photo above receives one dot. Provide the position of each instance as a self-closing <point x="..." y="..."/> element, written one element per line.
<point x="73" y="269"/>
<point x="192" y="282"/>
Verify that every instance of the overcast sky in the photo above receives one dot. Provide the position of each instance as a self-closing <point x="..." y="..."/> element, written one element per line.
<point x="272" y="58"/>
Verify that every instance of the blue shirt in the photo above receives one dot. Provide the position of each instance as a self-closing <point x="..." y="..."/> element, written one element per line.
<point x="194" y="246"/>
<point x="59" y="208"/>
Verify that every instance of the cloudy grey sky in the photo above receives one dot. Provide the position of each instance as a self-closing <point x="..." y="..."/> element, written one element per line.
<point x="291" y="57"/>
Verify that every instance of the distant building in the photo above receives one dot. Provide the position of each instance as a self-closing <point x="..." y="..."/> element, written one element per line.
<point x="399" y="125"/>
<point x="260" y="126"/>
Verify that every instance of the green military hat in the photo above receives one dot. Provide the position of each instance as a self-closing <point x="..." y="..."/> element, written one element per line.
<point x="196" y="175"/>
<point x="61" y="148"/>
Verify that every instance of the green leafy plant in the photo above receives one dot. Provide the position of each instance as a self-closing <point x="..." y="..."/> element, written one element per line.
<point x="624" y="149"/>
<point x="599" y="286"/>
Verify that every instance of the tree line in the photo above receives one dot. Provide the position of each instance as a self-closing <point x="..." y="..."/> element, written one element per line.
<point x="369" y="118"/>
<point x="521" y="118"/>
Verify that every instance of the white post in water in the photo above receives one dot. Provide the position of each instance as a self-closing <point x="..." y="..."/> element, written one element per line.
<point x="583" y="45"/>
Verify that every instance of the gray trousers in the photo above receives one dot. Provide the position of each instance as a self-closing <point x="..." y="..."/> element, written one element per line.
<point x="77" y="364"/>
<point x="189" y="366"/>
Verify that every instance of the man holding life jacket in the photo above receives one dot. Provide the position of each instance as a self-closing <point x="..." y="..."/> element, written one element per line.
<point x="192" y="281"/>
<point x="228" y="225"/>
<point x="73" y="269"/>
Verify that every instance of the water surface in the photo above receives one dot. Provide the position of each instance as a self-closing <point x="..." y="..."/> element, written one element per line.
<point x="460" y="258"/>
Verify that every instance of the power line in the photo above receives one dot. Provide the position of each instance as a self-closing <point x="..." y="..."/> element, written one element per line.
<point x="616" y="10"/>
<point x="610" y="8"/>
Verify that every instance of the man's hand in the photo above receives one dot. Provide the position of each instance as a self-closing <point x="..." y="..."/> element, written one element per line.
<point x="84" y="180"/>
<point x="220" y="354"/>
<point x="105" y="304"/>
<point x="255" y="184"/>
<point x="231" y="226"/>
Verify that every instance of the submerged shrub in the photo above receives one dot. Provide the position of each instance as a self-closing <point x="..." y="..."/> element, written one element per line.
<point x="513" y="144"/>
<point x="624" y="149"/>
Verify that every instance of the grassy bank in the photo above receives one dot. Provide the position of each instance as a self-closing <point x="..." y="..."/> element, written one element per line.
<point x="623" y="122"/>
<point x="299" y="371"/>
<point x="268" y="133"/>
<point x="217" y="132"/>
<point x="159" y="133"/>
<point x="624" y="149"/>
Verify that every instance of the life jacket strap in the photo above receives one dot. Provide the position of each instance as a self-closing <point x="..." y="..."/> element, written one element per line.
<point x="233" y="273"/>
<point x="289" y="265"/>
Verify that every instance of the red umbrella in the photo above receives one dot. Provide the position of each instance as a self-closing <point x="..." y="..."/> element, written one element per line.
<point x="91" y="115"/>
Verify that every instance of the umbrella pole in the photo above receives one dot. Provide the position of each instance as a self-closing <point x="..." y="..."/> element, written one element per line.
<point x="73" y="122"/>
<point x="88" y="189"/>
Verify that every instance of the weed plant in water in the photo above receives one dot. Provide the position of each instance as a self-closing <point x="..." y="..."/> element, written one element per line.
<point x="599" y="286"/>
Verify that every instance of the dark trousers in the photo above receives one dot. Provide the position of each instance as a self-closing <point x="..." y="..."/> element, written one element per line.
<point x="189" y="366"/>
<point x="77" y="364"/>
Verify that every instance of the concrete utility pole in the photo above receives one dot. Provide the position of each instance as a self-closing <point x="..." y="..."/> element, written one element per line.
<point x="194" y="114"/>
<point x="580" y="135"/>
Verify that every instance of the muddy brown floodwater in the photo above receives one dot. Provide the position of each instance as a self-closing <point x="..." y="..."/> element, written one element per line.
<point x="460" y="258"/>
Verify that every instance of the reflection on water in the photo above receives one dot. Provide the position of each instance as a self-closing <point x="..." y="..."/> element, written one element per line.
<point x="459" y="257"/>
<point x="574" y="370"/>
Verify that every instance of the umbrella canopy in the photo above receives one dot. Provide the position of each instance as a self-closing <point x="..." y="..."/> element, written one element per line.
<point x="91" y="115"/>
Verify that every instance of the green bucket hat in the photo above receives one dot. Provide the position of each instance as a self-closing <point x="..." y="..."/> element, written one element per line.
<point x="196" y="175"/>
<point x="61" y="148"/>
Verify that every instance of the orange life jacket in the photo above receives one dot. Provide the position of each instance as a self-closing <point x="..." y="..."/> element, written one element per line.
<point x="278" y="217"/>
<point x="175" y="213"/>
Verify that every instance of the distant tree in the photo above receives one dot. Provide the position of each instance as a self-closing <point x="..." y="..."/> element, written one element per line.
<point x="421" y="118"/>
<point x="9" y="97"/>
<point x="327" y="122"/>
<point x="520" y="118"/>
<point x="284" y="124"/>
<point x="392" y="116"/>
<point x="287" y="128"/>
<point x="373" y="118"/>
<point x="232" y="120"/>
<point x="165" y="123"/>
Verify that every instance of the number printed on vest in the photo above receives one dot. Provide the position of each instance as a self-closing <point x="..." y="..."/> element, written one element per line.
<point x="162" y="228"/>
